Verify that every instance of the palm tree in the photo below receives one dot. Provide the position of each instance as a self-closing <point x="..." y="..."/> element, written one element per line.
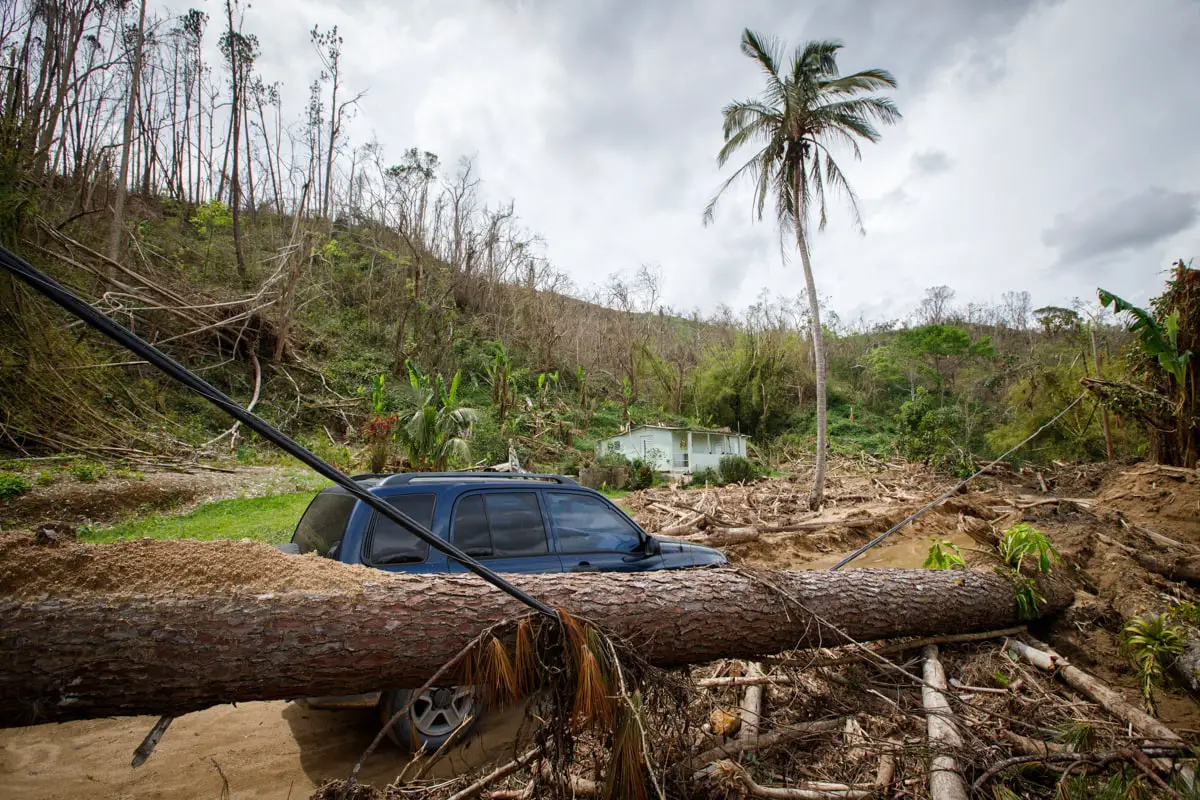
<point x="436" y="429"/>
<point x="794" y="122"/>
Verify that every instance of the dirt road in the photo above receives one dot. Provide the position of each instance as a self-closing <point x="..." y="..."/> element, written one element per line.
<point x="258" y="750"/>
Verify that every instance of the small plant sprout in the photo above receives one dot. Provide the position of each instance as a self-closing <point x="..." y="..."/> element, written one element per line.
<point x="1018" y="542"/>
<point x="1022" y="540"/>
<point x="1153" y="643"/>
<point x="944" y="555"/>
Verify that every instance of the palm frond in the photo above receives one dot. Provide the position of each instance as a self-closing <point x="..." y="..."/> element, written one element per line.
<point x="795" y="121"/>
<point x="767" y="51"/>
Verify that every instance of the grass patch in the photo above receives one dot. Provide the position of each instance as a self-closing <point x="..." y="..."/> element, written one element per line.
<point x="614" y="494"/>
<point x="264" y="519"/>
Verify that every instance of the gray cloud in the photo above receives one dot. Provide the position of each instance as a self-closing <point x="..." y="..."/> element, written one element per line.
<point x="602" y="120"/>
<point x="931" y="162"/>
<point x="1132" y="223"/>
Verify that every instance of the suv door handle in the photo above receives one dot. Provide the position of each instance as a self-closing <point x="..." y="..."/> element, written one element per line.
<point x="584" y="566"/>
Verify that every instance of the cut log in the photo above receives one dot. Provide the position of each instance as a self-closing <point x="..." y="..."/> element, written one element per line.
<point x="84" y="655"/>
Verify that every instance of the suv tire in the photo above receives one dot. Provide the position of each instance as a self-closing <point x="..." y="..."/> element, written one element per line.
<point x="437" y="715"/>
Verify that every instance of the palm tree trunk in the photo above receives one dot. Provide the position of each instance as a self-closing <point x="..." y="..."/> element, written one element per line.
<point x="817" y="497"/>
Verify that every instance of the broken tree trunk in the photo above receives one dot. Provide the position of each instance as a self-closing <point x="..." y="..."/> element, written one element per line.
<point x="189" y="646"/>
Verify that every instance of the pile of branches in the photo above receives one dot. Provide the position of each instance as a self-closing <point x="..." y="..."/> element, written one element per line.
<point x="941" y="717"/>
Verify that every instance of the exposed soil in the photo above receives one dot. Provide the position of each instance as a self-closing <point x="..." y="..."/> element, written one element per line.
<point x="113" y="499"/>
<point x="284" y="750"/>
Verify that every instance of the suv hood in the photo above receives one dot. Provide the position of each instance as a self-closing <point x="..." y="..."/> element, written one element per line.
<point x="677" y="552"/>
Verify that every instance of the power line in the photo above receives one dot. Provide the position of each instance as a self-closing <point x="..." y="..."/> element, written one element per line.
<point x="953" y="489"/>
<point x="60" y="295"/>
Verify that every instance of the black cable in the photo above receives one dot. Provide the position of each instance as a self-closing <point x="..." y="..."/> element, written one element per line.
<point x="51" y="289"/>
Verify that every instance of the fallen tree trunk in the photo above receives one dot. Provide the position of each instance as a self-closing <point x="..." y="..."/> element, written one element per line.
<point x="99" y="653"/>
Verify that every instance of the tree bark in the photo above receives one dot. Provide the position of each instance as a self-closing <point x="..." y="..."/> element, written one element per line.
<point x="817" y="498"/>
<point x="79" y="656"/>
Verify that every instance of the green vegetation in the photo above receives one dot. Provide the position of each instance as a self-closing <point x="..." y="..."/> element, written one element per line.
<point x="1153" y="644"/>
<point x="736" y="469"/>
<point x="317" y="297"/>
<point x="87" y="471"/>
<point x="1016" y="544"/>
<point x="13" y="484"/>
<point x="264" y="519"/>
<point x="944" y="555"/>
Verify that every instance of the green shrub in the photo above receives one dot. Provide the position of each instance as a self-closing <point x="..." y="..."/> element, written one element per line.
<point x="45" y="477"/>
<point x="944" y="555"/>
<point x="641" y="475"/>
<point x="12" y="484"/>
<point x="736" y="469"/>
<point x="934" y="434"/>
<point x="613" y="458"/>
<point x="705" y="477"/>
<point x="86" y="471"/>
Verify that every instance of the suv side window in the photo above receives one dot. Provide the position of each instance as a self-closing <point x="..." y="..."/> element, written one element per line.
<point x="499" y="525"/>
<point x="587" y="525"/>
<point x="388" y="543"/>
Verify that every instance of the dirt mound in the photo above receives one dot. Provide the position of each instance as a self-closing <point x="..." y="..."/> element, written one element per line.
<point x="150" y="566"/>
<point x="1166" y="499"/>
<point x="115" y="498"/>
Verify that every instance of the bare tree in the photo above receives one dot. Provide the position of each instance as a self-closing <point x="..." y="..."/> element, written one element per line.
<point x="935" y="307"/>
<point x="131" y="105"/>
<point x="239" y="51"/>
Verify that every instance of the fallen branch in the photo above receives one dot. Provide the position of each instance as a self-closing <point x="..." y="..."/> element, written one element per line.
<point x="897" y="647"/>
<point x="752" y="704"/>
<point x="1090" y="759"/>
<point x="945" y="781"/>
<point x="808" y="791"/>
<point x="497" y="774"/>
<point x="766" y="741"/>
<point x="1046" y="659"/>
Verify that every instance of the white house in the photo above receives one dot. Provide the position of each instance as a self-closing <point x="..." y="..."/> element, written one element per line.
<point x="672" y="449"/>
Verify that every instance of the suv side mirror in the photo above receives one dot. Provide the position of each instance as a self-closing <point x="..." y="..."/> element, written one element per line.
<point x="652" y="547"/>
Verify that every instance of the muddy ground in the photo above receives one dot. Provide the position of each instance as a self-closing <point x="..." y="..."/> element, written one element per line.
<point x="282" y="750"/>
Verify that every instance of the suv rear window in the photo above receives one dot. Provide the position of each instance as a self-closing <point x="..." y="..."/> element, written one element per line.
<point x="389" y="543"/>
<point x="504" y="524"/>
<point x="324" y="522"/>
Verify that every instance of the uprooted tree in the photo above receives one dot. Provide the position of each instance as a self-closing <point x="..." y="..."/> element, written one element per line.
<point x="125" y="650"/>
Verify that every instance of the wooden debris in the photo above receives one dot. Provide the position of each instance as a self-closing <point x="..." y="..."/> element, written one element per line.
<point x="945" y="781"/>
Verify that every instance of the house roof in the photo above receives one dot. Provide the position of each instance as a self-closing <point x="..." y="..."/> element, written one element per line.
<point x="722" y="431"/>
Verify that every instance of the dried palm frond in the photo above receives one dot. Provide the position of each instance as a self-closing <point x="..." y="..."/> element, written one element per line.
<point x="496" y="673"/>
<point x="526" y="663"/>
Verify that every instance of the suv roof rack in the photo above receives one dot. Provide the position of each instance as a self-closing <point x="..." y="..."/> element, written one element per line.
<point x="366" y="476"/>
<point x="404" y="478"/>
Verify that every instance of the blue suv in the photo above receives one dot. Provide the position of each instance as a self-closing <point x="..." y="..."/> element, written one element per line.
<point x="511" y="522"/>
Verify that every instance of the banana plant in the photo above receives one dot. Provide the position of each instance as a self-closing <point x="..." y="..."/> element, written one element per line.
<point x="1158" y="341"/>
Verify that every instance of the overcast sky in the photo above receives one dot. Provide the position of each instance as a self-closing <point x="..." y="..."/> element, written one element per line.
<point x="1045" y="146"/>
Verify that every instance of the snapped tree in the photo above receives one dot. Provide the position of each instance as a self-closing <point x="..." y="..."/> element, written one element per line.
<point x="800" y="115"/>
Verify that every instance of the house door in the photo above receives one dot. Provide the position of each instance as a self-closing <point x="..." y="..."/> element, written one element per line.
<point x="647" y="446"/>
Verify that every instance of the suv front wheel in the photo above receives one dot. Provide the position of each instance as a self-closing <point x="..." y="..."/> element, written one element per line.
<point x="436" y="715"/>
